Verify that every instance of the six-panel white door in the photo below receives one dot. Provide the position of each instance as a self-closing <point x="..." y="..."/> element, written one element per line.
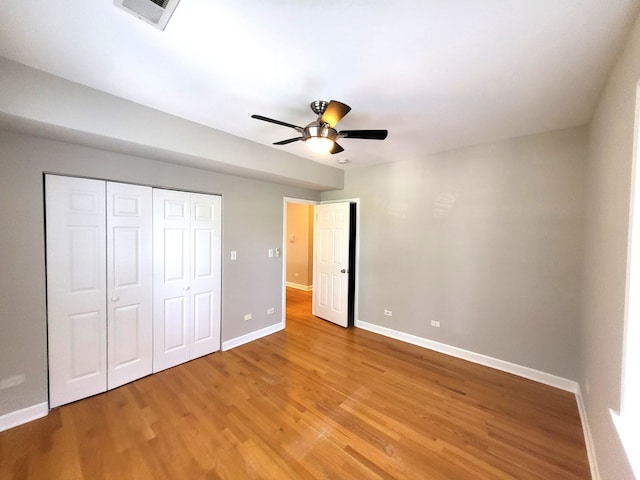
<point x="76" y="288"/>
<point x="103" y="294"/>
<point x="206" y="274"/>
<point x="129" y="283"/>
<point x="171" y="272"/>
<point x="187" y="276"/>
<point x="330" y="298"/>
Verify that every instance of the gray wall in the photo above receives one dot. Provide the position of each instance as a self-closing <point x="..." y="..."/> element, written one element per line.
<point x="487" y="240"/>
<point x="608" y="194"/>
<point x="252" y="223"/>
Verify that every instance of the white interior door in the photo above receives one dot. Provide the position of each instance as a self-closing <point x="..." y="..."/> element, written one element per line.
<point x="172" y="275"/>
<point x="76" y="288"/>
<point x="129" y="283"/>
<point x="331" y="263"/>
<point x="206" y="258"/>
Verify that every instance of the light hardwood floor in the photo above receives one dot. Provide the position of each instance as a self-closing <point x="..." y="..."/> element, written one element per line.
<point x="313" y="401"/>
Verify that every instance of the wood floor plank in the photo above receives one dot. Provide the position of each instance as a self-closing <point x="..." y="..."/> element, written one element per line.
<point x="312" y="401"/>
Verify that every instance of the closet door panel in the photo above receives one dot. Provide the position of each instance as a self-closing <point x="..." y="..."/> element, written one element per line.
<point x="206" y="278"/>
<point x="129" y="267"/>
<point x="76" y="288"/>
<point x="171" y="277"/>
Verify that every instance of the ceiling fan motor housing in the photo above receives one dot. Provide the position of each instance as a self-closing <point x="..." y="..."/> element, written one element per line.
<point x="315" y="129"/>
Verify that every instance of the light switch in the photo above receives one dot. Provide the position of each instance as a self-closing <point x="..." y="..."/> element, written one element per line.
<point x="270" y="252"/>
<point x="234" y="254"/>
<point x="277" y="252"/>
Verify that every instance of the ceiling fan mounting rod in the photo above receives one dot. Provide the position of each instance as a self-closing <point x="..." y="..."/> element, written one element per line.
<point x="319" y="106"/>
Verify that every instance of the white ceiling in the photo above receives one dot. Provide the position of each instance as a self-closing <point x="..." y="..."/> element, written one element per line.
<point x="437" y="74"/>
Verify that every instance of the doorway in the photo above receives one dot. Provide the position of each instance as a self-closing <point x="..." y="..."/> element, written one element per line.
<point x="298" y="223"/>
<point x="301" y="271"/>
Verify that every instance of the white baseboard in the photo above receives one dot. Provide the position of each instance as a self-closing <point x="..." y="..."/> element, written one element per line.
<point x="526" y="372"/>
<point x="250" y="337"/>
<point x="297" y="286"/>
<point x="588" y="439"/>
<point x="13" y="419"/>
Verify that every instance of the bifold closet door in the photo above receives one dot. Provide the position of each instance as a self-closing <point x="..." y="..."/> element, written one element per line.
<point x="206" y="274"/>
<point x="187" y="275"/>
<point x="76" y="288"/>
<point x="99" y="285"/>
<point x="129" y="283"/>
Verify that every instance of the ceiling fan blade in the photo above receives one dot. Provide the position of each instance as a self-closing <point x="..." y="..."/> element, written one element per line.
<point x="364" y="134"/>
<point x="289" y="140"/>
<point x="336" y="148"/>
<point x="277" y="122"/>
<point x="334" y="112"/>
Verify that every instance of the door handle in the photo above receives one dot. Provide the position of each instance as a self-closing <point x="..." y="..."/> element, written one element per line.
<point x="186" y="288"/>
<point x="115" y="298"/>
<point x="344" y="271"/>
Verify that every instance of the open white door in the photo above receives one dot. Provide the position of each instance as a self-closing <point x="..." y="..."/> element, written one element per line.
<point x="331" y="263"/>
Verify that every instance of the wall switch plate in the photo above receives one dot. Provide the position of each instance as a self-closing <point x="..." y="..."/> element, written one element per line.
<point x="277" y="252"/>
<point x="270" y="252"/>
<point x="248" y="316"/>
<point x="435" y="323"/>
<point x="271" y="311"/>
<point x="388" y="313"/>
<point x="234" y="255"/>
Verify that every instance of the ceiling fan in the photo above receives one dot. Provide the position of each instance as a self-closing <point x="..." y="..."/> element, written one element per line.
<point x="320" y="135"/>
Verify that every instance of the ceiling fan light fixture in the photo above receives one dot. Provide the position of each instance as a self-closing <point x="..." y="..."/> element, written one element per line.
<point x="320" y="135"/>
<point x="319" y="144"/>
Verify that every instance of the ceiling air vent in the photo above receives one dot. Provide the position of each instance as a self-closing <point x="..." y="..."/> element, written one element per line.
<point x="155" y="12"/>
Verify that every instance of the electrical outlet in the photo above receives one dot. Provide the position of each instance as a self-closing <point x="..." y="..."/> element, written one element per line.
<point x="11" y="381"/>
<point x="271" y="311"/>
<point x="435" y="323"/>
<point x="388" y="313"/>
<point x="248" y="316"/>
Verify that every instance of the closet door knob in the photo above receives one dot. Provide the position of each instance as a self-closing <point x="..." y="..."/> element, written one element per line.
<point x="115" y="298"/>
<point x="187" y="288"/>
